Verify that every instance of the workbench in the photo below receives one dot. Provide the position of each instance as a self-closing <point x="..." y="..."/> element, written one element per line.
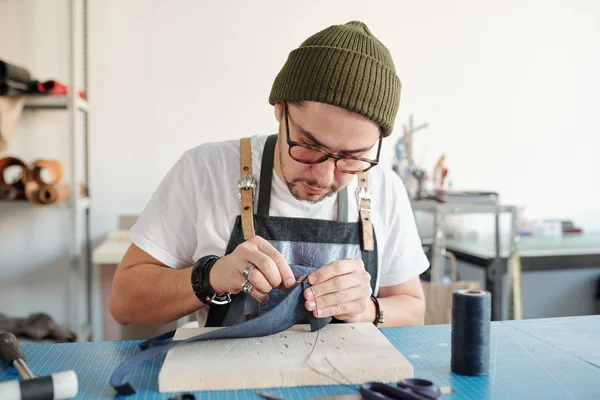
<point x="557" y="358"/>
<point x="560" y="275"/>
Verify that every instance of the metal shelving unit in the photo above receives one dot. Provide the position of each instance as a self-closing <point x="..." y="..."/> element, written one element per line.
<point x="78" y="205"/>
<point x="496" y="272"/>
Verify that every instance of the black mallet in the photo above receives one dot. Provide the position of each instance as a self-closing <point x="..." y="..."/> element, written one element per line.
<point x="61" y="385"/>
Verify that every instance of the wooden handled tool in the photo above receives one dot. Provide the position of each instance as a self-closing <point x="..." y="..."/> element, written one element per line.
<point x="60" y="385"/>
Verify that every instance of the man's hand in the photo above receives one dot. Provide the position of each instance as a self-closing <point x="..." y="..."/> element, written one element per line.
<point x="341" y="289"/>
<point x="271" y="270"/>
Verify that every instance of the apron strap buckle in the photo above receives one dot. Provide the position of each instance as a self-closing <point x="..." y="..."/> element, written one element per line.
<point x="363" y="193"/>
<point x="247" y="182"/>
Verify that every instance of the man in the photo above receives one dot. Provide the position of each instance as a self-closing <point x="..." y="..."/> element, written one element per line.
<point x="235" y="224"/>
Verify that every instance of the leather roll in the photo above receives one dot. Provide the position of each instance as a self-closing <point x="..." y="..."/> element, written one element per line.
<point x="42" y="182"/>
<point x="46" y="172"/>
<point x="14" y="189"/>
<point x="39" y="184"/>
<point x="54" y="193"/>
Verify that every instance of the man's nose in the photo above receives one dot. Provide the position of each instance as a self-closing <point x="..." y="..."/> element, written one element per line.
<point x="324" y="172"/>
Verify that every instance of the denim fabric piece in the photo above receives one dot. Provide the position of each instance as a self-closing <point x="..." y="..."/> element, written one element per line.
<point x="289" y="312"/>
<point x="303" y="258"/>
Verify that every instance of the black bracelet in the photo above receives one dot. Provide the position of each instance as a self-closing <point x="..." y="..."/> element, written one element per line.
<point x="379" y="317"/>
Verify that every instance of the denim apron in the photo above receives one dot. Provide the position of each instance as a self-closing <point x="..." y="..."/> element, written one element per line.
<point x="307" y="244"/>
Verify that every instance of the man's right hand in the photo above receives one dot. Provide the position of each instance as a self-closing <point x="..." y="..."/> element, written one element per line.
<point x="271" y="269"/>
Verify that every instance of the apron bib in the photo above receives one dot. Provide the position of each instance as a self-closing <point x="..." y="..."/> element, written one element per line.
<point x="307" y="244"/>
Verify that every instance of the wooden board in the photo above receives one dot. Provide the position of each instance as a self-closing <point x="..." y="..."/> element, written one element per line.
<point x="344" y="354"/>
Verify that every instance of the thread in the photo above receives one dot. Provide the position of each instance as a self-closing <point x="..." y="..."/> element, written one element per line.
<point x="471" y="319"/>
<point x="314" y="346"/>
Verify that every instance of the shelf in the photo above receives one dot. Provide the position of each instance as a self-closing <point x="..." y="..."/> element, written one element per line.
<point x="459" y="207"/>
<point x="52" y="102"/>
<point x="83" y="203"/>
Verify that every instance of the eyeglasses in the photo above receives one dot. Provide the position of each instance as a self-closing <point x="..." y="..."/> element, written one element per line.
<point x="308" y="154"/>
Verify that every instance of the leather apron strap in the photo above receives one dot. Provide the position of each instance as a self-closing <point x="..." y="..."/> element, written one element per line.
<point x="364" y="200"/>
<point x="247" y="188"/>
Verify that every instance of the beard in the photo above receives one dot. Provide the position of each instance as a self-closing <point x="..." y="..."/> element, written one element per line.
<point x="297" y="191"/>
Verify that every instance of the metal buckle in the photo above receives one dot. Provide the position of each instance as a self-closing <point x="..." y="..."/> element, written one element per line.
<point x="363" y="193"/>
<point x="220" y="299"/>
<point x="246" y="182"/>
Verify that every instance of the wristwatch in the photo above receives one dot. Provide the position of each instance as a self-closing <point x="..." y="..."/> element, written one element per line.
<point x="201" y="283"/>
<point x="379" y="316"/>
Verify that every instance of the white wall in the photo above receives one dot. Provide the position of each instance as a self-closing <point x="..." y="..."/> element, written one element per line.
<point x="509" y="89"/>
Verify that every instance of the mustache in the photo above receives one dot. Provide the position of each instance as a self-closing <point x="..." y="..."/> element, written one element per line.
<point x="313" y="184"/>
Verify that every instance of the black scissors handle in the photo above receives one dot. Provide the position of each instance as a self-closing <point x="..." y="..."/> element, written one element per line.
<point x="408" y="389"/>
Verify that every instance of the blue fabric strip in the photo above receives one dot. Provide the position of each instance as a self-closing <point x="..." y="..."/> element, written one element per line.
<point x="289" y="312"/>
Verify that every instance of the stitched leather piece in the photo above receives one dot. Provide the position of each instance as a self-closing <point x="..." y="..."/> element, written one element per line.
<point x="289" y="312"/>
<point x="365" y="215"/>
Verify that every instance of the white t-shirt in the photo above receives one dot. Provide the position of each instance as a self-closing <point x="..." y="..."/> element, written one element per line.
<point x="193" y="210"/>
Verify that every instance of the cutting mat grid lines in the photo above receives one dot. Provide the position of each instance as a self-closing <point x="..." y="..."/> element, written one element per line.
<point x="525" y="367"/>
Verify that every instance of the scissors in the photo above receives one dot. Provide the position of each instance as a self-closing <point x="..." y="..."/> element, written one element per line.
<point x="409" y="389"/>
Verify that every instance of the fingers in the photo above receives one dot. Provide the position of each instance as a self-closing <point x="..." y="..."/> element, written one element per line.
<point x="341" y="302"/>
<point x="338" y="283"/>
<point x="260" y="286"/>
<point x="271" y="269"/>
<point x="286" y="275"/>
<point x="269" y="261"/>
<point x="340" y="289"/>
<point x="259" y="281"/>
<point x="343" y="311"/>
<point x="334" y="269"/>
<point x="259" y="295"/>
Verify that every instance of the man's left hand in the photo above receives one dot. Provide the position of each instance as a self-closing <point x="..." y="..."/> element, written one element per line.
<point x="341" y="289"/>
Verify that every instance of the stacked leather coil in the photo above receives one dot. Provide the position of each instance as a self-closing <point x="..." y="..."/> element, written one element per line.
<point x="39" y="182"/>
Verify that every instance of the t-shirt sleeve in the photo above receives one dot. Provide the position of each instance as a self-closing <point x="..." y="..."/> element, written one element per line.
<point x="166" y="228"/>
<point x="403" y="257"/>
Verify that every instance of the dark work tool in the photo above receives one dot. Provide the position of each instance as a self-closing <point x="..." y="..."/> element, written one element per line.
<point x="61" y="385"/>
<point x="417" y="389"/>
<point x="183" y="396"/>
<point x="471" y="316"/>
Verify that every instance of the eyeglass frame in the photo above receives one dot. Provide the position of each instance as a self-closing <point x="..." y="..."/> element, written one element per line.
<point x="326" y="154"/>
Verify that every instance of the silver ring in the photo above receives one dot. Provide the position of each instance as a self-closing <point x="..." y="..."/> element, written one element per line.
<point x="247" y="286"/>
<point x="247" y="270"/>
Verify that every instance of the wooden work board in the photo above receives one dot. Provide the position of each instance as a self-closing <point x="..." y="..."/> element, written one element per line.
<point x="351" y="353"/>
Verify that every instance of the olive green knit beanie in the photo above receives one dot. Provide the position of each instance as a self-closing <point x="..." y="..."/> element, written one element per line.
<point x="345" y="66"/>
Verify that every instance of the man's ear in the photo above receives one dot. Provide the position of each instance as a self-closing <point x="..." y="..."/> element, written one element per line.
<point x="278" y="111"/>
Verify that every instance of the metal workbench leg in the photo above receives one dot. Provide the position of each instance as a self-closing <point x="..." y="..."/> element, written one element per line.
<point x="495" y="275"/>
<point x="438" y="248"/>
<point x="513" y="289"/>
<point x="97" y="307"/>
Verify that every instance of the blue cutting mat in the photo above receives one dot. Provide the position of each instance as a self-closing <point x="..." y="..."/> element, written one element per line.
<point x="532" y="359"/>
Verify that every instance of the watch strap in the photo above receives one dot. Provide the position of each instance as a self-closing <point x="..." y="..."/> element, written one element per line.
<point x="201" y="282"/>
